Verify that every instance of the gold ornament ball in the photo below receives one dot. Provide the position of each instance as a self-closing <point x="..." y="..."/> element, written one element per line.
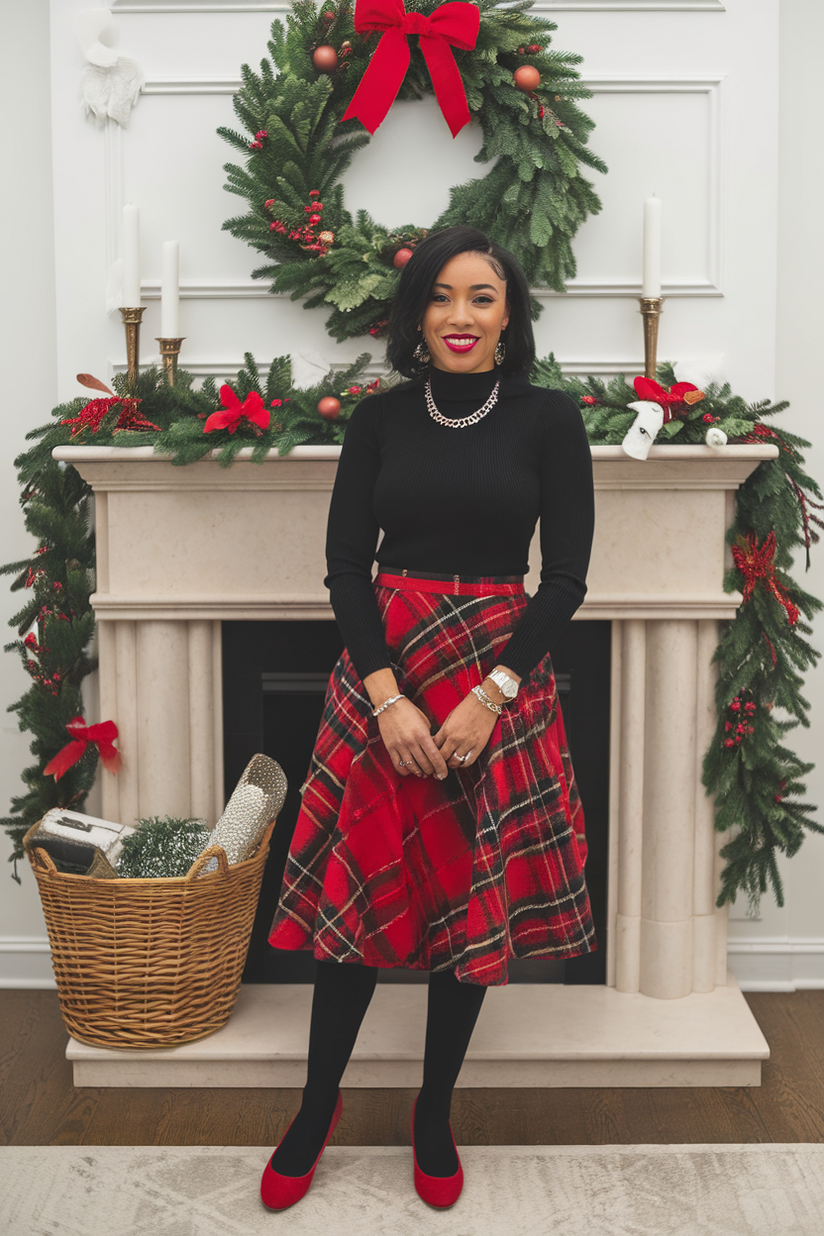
<point x="527" y="78"/>
<point x="329" y="408"/>
<point x="325" y="58"/>
<point x="401" y="258"/>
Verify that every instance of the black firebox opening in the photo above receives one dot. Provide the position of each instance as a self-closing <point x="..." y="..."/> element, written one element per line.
<point x="274" y="681"/>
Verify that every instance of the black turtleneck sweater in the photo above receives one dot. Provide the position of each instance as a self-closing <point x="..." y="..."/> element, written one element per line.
<point x="461" y="501"/>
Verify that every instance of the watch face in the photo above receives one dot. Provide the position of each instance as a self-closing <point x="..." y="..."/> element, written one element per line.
<point x="507" y="686"/>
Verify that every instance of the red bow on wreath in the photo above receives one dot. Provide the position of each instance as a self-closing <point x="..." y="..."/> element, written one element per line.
<point x="101" y="735"/>
<point x="454" y="24"/>
<point x="755" y="564"/>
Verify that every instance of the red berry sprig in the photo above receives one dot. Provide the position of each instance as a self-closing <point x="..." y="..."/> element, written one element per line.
<point x="741" y="726"/>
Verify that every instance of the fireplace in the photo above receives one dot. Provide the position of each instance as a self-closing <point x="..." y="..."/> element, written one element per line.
<point x="183" y="551"/>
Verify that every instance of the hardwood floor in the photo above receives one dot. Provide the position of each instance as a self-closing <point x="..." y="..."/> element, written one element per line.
<point x="40" y="1106"/>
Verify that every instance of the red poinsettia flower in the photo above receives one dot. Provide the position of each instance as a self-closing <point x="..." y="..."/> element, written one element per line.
<point x="94" y="412"/>
<point x="234" y="412"/>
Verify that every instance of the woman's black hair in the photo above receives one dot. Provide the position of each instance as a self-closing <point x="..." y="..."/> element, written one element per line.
<point x="415" y="289"/>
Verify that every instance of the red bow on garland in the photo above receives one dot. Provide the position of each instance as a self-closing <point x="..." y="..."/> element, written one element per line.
<point x="755" y="564"/>
<point x="455" y="23"/>
<point x="234" y="411"/>
<point x="101" y="735"/>
<point x="682" y="392"/>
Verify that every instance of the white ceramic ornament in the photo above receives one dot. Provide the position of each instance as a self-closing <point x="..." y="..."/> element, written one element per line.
<point x="110" y="83"/>
<point x="715" y="437"/>
<point x="644" y="428"/>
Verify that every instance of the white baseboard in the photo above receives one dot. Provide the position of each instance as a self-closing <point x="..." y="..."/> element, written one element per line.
<point x="769" y="963"/>
<point x="777" y="963"/>
<point x="25" y="962"/>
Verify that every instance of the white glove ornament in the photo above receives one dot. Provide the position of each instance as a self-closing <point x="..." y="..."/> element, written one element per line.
<point x="643" y="430"/>
<point x="110" y="84"/>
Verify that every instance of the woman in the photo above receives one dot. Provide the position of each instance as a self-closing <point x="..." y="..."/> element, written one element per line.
<point x="440" y="827"/>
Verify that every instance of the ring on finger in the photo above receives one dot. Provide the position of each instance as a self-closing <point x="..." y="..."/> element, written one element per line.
<point x="462" y="757"/>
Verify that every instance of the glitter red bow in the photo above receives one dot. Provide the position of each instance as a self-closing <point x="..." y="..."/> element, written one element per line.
<point x="682" y="392"/>
<point x="756" y="564"/>
<point x="233" y="412"/>
<point x="101" y="735"/>
<point x="454" y="24"/>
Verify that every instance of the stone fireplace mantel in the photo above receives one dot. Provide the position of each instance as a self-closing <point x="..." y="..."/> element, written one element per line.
<point x="180" y="549"/>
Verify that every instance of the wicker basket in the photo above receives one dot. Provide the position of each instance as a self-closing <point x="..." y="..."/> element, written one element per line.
<point x="149" y="963"/>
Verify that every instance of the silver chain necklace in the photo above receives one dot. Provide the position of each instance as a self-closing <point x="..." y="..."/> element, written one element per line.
<point x="466" y="420"/>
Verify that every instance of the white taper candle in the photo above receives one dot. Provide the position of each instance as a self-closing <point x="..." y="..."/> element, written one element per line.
<point x="170" y="291"/>
<point x="652" y="247"/>
<point x="131" y="257"/>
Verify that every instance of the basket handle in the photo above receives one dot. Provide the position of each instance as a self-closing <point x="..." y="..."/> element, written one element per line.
<point x="214" y="851"/>
<point x="41" y="860"/>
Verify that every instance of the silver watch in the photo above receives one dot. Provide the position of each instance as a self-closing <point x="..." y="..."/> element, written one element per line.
<point x="507" y="686"/>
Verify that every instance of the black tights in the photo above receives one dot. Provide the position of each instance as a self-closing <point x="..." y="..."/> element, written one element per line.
<point x="341" y="998"/>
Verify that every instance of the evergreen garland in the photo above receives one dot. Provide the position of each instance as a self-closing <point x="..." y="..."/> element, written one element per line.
<point x="533" y="200"/>
<point x="762" y="655"/>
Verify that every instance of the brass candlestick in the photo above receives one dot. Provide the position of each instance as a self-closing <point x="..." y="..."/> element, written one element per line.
<point x="651" y="310"/>
<point x="131" y="320"/>
<point x="169" y="350"/>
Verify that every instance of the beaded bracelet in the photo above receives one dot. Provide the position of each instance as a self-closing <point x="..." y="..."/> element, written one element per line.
<point x="481" y="695"/>
<point x="393" y="700"/>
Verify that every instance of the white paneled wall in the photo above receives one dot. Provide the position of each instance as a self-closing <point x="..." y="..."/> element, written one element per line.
<point x="685" y="106"/>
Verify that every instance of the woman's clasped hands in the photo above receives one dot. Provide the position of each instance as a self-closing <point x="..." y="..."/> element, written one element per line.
<point x="457" y="744"/>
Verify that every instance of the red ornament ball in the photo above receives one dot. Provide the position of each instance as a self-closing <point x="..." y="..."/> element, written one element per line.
<point x="329" y="408"/>
<point x="527" y="78"/>
<point x="401" y="258"/>
<point x="325" y="58"/>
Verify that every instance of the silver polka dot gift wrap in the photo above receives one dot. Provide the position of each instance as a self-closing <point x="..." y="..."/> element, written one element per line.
<point x="256" y="801"/>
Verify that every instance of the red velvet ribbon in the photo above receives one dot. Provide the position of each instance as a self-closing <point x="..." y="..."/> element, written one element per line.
<point x="233" y="412"/>
<point x="451" y="25"/>
<point x="756" y="564"/>
<point x="101" y="735"/>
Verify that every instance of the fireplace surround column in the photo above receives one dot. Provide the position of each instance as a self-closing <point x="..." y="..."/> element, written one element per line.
<point x="666" y="922"/>
<point x="160" y="680"/>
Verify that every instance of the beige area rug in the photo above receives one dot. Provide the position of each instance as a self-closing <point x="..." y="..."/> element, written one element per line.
<point x="764" y="1190"/>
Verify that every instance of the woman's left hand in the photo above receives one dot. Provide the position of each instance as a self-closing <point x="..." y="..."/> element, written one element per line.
<point x="466" y="731"/>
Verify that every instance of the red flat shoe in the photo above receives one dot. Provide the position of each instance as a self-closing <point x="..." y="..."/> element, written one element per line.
<point x="438" y="1191"/>
<point x="280" y="1192"/>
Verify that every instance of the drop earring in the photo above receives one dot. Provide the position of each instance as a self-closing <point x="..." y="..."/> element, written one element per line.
<point x="500" y="352"/>
<point x="421" y="352"/>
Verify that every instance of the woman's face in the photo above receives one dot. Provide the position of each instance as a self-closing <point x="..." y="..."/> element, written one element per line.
<point x="466" y="313"/>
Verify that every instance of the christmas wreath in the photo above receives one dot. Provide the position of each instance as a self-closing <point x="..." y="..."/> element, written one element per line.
<point x="762" y="655"/>
<point x="483" y="61"/>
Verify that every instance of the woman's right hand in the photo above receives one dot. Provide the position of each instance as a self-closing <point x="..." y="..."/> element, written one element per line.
<point x="406" y="736"/>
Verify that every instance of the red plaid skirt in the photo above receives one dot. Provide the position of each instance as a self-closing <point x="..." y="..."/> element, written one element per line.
<point x="459" y="874"/>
